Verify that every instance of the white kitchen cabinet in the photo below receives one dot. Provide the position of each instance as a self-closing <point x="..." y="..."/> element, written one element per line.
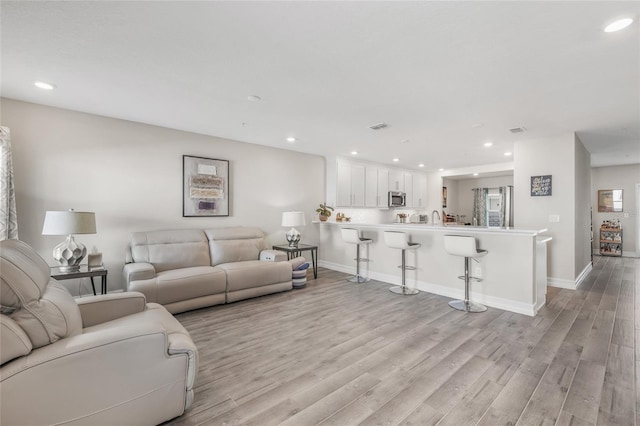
<point x="376" y="186"/>
<point x="371" y="186"/>
<point x="350" y="184"/>
<point x="383" y="188"/>
<point x="343" y="184"/>
<point x="420" y="191"/>
<point x="396" y="180"/>
<point x="408" y="189"/>
<point x="357" y="185"/>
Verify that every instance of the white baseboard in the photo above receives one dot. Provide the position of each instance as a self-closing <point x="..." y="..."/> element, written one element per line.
<point x="494" y="302"/>
<point x="570" y="284"/>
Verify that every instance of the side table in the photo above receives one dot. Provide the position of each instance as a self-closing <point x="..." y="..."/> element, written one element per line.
<point x="83" y="272"/>
<point x="293" y="252"/>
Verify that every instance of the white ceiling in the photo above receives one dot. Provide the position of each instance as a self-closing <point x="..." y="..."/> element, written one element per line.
<point x="446" y="76"/>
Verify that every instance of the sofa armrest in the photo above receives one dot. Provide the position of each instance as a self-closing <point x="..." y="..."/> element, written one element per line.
<point x="138" y="271"/>
<point x="98" y="309"/>
<point x="101" y="372"/>
<point x="273" y="256"/>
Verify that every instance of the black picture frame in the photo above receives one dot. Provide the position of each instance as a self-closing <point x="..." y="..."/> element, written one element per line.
<point x="541" y="186"/>
<point x="205" y="187"/>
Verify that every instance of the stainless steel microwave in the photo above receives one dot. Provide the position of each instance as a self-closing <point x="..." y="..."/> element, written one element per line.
<point x="397" y="199"/>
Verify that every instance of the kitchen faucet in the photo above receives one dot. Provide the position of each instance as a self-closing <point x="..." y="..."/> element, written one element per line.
<point x="433" y="221"/>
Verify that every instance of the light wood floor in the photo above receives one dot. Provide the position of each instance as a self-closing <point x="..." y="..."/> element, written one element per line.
<point x="337" y="353"/>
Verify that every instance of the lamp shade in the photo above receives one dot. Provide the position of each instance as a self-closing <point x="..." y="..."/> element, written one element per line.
<point x="69" y="222"/>
<point x="293" y="219"/>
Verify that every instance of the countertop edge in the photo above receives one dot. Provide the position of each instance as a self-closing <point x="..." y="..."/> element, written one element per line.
<point x="440" y="228"/>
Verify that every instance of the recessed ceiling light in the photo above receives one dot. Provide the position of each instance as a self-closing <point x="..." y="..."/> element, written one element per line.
<point x="441" y="170"/>
<point x="488" y="144"/>
<point x="477" y="125"/>
<point x="395" y="160"/>
<point x="291" y="139"/>
<point x="618" y="25"/>
<point x="421" y="165"/>
<point x="508" y="154"/>
<point x="44" y="85"/>
<point x="475" y="174"/>
<point x="254" y="98"/>
<point x="354" y="152"/>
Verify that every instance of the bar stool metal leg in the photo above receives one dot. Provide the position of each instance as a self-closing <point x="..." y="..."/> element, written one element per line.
<point x="357" y="278"/>
<point x="403" y="289"/>
<point x="466" y="304"/>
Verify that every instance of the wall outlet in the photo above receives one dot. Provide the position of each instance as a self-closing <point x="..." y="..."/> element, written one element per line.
<point x="555" y="218"/>
<point x="626" y="214"/>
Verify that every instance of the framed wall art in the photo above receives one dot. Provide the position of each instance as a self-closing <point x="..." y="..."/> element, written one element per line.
<point x="205" y="190"/>
<point x="610" y="200"/>
<point x="541" y="186"/>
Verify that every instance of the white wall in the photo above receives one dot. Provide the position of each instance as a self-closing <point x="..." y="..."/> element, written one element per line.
<point x="556" y="157"/>
<point x="618" y="177"/>
<point x="583" y="207"/>
<point x="130" y="175"/>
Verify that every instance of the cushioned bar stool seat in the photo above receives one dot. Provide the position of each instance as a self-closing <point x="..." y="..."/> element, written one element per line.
<point x="465" y="246"/>
<point x="400" y="240"/>
<point x="352" y="236"/>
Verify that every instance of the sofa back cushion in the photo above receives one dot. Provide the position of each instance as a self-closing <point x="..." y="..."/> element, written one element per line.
<point x="167" y="250"/>
<point x="235" y="244"/>
<point x="41" y="307"/>
<point x="14" y="342"/>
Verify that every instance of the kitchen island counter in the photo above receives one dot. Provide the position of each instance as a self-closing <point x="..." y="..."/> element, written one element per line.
<point x="511" y="280"/>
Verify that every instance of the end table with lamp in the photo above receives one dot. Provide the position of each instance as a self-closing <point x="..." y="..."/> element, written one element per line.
<point x="293" y="252"/>
<point x="70" y="252"/>
<point x="83" y="271"/>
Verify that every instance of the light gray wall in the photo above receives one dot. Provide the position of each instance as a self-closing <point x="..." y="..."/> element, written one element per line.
<point x="618" y="177"/>
<point x="556" y="157"/>
<point x="130" y="175"/>
<point x="583" y="205"/>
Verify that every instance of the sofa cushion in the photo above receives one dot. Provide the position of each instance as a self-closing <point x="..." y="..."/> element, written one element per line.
<point x="255" y="273"/>
<point x="25" y="275"/>
<point x="43" y="308"/>
<point x="167" y="250"/>
<point x="13" y="340"/>
<point x="189" y="283"/>
<point x="235" y="244"/>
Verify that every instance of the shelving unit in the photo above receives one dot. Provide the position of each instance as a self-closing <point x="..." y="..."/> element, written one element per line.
<point x="611" y="241"/>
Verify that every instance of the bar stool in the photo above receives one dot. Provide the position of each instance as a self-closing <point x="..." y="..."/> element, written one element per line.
<point x="400" y="240"/>
<point x="458" y="245"/>
<point x="352" y="236"/>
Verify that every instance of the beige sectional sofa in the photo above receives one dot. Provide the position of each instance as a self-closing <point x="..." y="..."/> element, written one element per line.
<point x="192" y="268"/>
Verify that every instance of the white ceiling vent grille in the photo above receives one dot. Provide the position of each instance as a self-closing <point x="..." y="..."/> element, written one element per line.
<point x="379" y="126"/>
<point x="517" y="130"/>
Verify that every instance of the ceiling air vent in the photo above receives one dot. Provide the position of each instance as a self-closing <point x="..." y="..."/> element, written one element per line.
<point x="379" y="126"/>
<point x="517" y="130"/>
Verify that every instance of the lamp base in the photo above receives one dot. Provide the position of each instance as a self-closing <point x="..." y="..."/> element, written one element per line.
<point x="69" y="254"/>
<point x="293" y="237"/>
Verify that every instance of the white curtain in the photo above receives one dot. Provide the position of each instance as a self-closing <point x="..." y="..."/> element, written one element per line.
<point x="8" y="219"/>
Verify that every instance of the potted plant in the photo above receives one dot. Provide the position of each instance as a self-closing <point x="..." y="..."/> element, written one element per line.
<point x="324" y="211"/>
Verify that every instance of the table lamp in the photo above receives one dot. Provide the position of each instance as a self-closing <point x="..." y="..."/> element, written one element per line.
<point x="69" y="253"/>
<point x="293" y="219"/>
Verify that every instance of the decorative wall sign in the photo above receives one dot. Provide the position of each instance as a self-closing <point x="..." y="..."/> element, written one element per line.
<point x="205" y="187"/>
<point x="610" y="200"/>
<point x="541" y="186"/>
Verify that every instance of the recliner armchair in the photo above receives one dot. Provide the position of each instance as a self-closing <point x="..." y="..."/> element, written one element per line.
<point x="109" y="359"/>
